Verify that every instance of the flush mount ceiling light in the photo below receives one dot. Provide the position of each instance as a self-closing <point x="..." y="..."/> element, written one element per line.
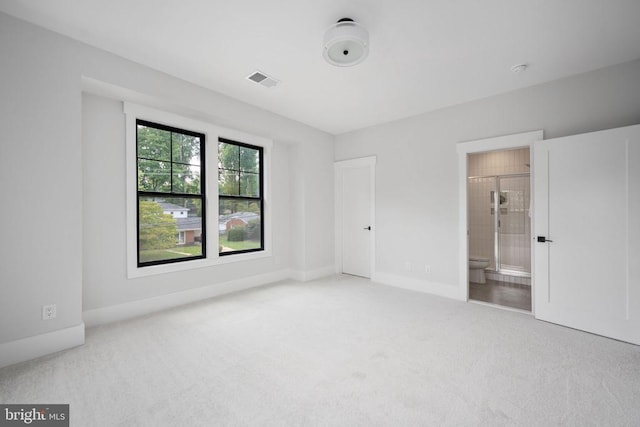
<point x="346" y="43"/>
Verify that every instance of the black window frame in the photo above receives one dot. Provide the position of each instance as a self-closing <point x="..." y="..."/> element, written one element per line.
<point x="259" y="198"/>
<point x="172" y="194"/>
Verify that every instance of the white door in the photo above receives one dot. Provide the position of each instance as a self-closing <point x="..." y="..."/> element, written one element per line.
<point x="587" y="232"/>
<point x="356" y="227"/>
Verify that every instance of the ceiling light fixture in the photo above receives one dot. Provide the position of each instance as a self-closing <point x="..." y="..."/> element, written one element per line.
<point x="346" y="43"/>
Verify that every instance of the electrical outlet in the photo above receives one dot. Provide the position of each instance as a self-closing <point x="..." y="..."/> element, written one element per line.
<point x="48" y="312"/>
<point x="427" y="269"/>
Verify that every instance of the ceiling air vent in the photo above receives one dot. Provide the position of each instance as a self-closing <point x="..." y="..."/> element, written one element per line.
<point x="263" y="79"/>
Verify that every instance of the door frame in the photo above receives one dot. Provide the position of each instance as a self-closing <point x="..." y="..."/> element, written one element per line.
<point x="339" y="168"/>
<point x="505" y="142"/>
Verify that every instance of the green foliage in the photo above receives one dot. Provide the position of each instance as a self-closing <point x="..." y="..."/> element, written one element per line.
<point x="239" y="170"/>
<point x="253" y="207"/>
<point x="158" y="170"/>
<point x="154" y="156"/>
<point x="154" y="143"/>
<point x="230" y="206"/>
<point x="162" y="254"/>
<point x="237" y="234"/>
<point x="185" y="147"/>
<point x="157" y="229"/>
<point x="253" y="230"/>
<point x="227" y="246"/>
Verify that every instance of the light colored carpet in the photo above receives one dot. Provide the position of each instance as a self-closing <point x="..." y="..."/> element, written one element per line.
<point x="335" y="352"/>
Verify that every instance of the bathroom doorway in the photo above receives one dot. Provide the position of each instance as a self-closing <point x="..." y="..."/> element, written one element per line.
<point x="499" y="227"/>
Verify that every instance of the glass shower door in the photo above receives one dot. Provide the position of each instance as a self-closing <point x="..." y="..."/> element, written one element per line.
<point x="481" y="219"/>
<point x="514" y="225"/>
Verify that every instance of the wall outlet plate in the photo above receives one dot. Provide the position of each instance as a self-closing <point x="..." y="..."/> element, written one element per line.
<point x="49" y="312"/>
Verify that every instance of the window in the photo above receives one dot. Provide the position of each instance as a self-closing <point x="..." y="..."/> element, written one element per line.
<point x="170" y="201"/>
<point x="170" y="194"/>
<point x="240" y="194"/>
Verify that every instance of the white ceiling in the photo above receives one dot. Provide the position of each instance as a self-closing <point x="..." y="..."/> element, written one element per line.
<point x="425" y="54"/>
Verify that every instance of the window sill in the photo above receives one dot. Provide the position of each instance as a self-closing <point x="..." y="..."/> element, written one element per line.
<point x="153" y="270"/>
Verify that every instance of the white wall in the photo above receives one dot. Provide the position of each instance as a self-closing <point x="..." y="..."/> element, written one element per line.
<point x="71" y="255"/>
<point x="41" y="175"/>
<point x="105" y="280"/>
<point x="417" y="177"/>
<point x="104" y="273"/>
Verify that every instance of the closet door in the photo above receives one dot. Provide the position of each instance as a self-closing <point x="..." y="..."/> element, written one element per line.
<point x="587" y="232"/>
<point x="356" y="221"/>
<point x="355" y="215"/>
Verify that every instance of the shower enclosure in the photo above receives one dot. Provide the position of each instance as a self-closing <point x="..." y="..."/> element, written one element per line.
<point x="499" y="222"/>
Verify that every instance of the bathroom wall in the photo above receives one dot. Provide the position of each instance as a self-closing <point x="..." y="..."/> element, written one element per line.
<point x="514" y="209"/>
<point x="503" y="162"/>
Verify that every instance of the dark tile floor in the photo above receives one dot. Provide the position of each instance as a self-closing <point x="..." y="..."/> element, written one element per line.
<point x="502" y="293"/>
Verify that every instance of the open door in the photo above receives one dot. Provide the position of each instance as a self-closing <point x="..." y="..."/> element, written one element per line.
<point x="587" y="232"/>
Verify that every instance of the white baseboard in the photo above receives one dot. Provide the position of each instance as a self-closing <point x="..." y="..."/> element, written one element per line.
<point x="440" y="289"/>
<point x="305" y="276"/>
<point x="114" y="313"/>
<point x="39" y="345"/>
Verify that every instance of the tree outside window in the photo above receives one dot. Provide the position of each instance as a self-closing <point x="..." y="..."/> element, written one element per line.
<point x="170" y="184"/>
<point x="240" y="188"/>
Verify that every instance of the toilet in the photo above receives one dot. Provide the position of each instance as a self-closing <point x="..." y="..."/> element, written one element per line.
<point x="476" y="269"/>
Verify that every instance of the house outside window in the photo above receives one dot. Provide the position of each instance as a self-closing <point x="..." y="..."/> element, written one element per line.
<point x="170" y="194"/>
<point x="167" y="214"/>
<point x="240" y="193"/>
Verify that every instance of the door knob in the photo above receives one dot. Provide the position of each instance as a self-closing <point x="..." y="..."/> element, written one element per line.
<point x="543" y="239"/>
<point x="367" y="228"/>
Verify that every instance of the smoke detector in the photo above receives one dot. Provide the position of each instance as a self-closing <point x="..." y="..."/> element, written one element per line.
<point x="519" y="68"/>
<point x="346" y="43"/>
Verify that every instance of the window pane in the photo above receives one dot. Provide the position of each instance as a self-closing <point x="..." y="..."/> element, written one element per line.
<point x="154" y="175"/>
<point x="186" y="149"/>
<point x="154" y="143"/>
<point x="229" y="156"/>
<point x="239" y="225"/>
<point x="249" y="184"/>
<point x="169" y="229"/>
<point x="186" y="179"/>
<point x="249" y="160"/>
<point x="228" y="183"/>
